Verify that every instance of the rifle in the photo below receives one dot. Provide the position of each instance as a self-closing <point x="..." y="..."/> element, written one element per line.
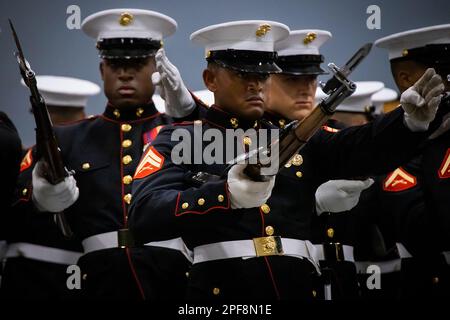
<point x="46" y="143"/>
<point x="297" y="133"/>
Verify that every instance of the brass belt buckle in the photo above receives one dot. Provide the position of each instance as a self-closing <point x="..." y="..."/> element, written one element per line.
<point x="268" y="246"/>
<point x="125" y="238"/>
<point x="333" y="251"/>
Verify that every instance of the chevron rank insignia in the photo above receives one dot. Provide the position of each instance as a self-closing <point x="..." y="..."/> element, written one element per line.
<point x="399" y="180"/>
<point x="444" y="170"/>
<point x="330" y="129"/>
<point x="150" y="163"/>
<point x="27" y="161"/>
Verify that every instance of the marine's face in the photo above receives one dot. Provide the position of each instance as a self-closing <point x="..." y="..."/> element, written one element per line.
<point x="292" y="96"/>
<point x="128" y="82"/>
<point x="242" y="94"/>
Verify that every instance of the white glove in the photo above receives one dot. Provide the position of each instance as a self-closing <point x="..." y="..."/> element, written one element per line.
<point x="53" y="198"/>
<point x="421" y="101"/>
<point x="340" y="195"/>
<point x="246" y="193"/>
<point x="179" y="102"/>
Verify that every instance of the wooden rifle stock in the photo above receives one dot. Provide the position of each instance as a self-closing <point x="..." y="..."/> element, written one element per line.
<point x="293" y="141"/>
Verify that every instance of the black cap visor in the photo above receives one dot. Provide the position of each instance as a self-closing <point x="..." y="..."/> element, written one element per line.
<point x="248" y="61"/>
<point x="127" y="48"/>
<point x="304" y="64"/>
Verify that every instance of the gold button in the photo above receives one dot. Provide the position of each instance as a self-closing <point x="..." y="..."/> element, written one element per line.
<point x="330" y="232"/>
<point x="297" y="160"/>
<point x="139" y="112"/>
<point x="127" y="159"/>
<point x="24" y="192"/>
<point x="288" y="164"/>
<point x="234" y="123"/>
<point x="126" y="127"/>
<point x="201" y="201"/>
<point x="116" y="113"/>
<point x="299" y="174"/>
<point x="84" y="276"/>
<point x="216" y="291"/>
<point x="269" y="230"/>
<point x="185" y="205"/>
<point x="282" y="123"/>
<point x="187" y="274"/>
<point x="85" y="166"/>
<point x="126" y="143"/>
<point x="220" y="198"/>
<point x="265" y="208"/>
<point x="247" y="141"/>
<point x="314" y="293"/>
<point x="405" y="52"/>
<point x="127" y="198"/>
<point x="435" y="280"/>
<point x="127" y="179"/>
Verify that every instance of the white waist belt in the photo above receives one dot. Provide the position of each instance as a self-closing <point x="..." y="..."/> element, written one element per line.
<point x="346" y="250"/>
<point x="41" y="253"/>
<point x="110" y="240"/>
<point x="246" y="249"/>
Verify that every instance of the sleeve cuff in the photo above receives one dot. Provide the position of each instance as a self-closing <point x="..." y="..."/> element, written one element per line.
<point x="211" y="196"/>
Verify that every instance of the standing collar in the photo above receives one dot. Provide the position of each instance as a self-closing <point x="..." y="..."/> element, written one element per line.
<point x="220" y="118"/>
<point x="276" y="119"/>
<point x="129" y="113"/>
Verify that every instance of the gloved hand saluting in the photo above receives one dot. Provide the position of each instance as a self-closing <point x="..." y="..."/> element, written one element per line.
<point x="179" y="102"/>
<point x="246" y="193"/>
<point x="421" y="101"/>
<point x="53" y="198"/>
<point x="340" y="195"/>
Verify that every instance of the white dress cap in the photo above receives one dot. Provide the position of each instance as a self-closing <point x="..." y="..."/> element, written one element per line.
<point x="302" y="42"/>
<point x="398" y="44"/>
<point x="256" y="35"/>
<point x="65" y="91"/>
<point x="128" y="23"/>
<point x="381" y="97"/>
<point x="360" y="101"/>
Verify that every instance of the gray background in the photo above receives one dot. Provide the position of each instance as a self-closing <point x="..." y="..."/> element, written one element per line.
<point x="53" y="49"/>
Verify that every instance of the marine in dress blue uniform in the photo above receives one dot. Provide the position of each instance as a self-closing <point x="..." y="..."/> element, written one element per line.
<point x="38" y="255"/>
<point x="261" y="252"/>
<point x="104" y="151"/>
<point x="414" y="264"/>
